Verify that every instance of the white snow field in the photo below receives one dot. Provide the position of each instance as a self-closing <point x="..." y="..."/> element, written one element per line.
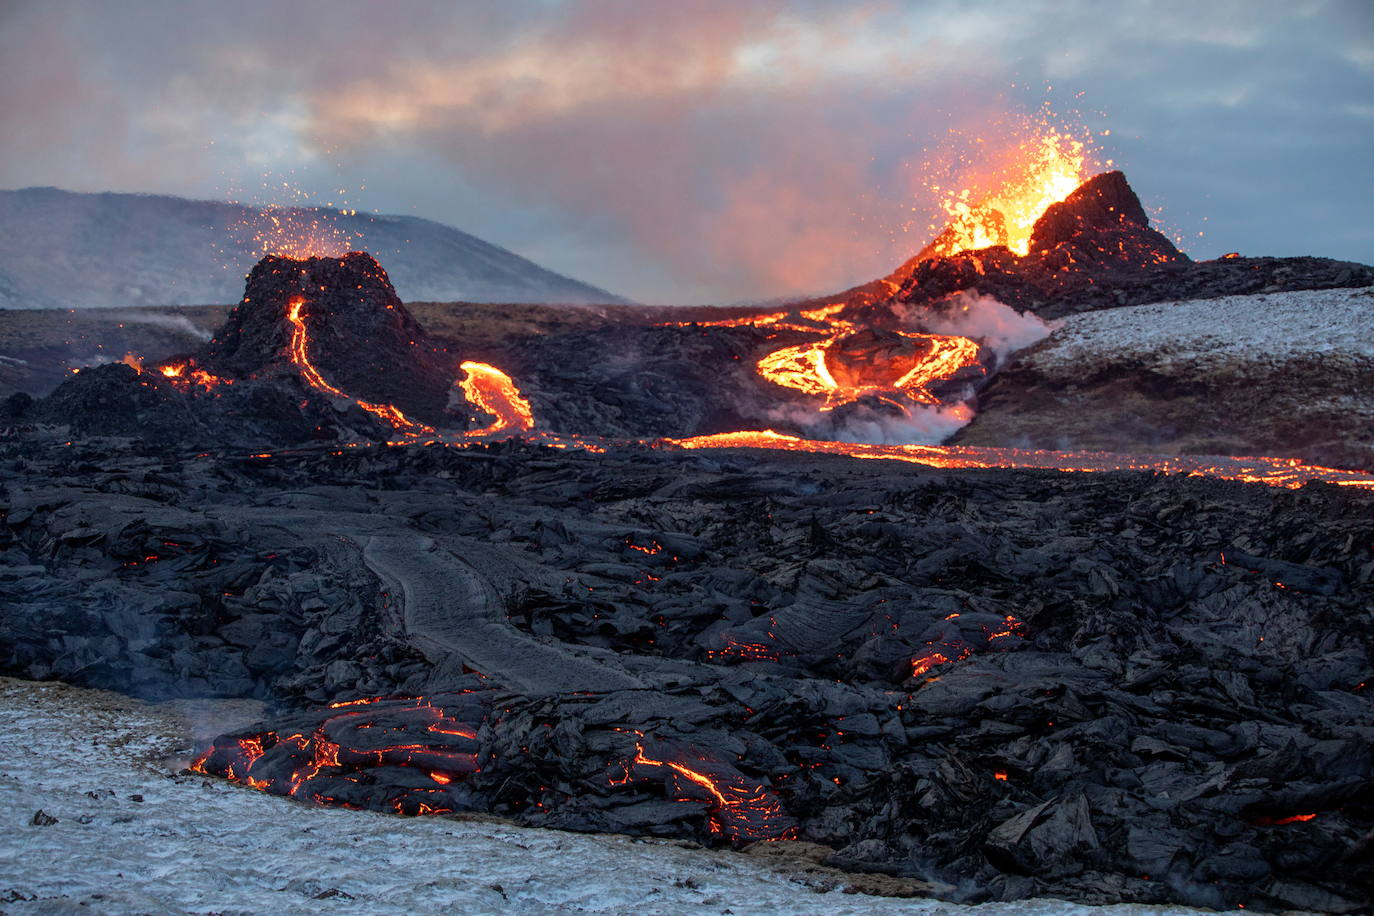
<point x="1264" y="327"/>
<point x="132" y="837"/>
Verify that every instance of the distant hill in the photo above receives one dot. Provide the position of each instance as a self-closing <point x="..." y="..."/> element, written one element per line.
<point x="60" y="249"/>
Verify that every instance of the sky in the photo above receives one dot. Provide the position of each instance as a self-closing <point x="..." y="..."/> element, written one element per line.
<point x="701" y="150"/>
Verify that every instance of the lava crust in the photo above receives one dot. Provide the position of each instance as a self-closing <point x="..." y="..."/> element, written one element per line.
<point x="1101" y="687"/>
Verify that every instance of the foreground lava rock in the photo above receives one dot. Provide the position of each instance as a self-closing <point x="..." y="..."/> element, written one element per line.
<point x="1102" y="687"/>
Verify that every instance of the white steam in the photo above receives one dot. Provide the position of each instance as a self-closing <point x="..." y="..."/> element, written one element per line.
<point x="923" y="426"/>
<point x="999" y="328"/>
<point x="178" y="323"/>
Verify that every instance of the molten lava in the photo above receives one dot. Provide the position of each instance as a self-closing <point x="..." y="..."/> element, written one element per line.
<point x="822" y="368"/>
<point x="740" y="809"/>
<point x="1002" y="208"/>
<point x="183" y="374"/>
<point x="407" y="732"/>
<point x="491" y="391"/>
<point x="1279" y="472"/>
<point x="300" y="356"/>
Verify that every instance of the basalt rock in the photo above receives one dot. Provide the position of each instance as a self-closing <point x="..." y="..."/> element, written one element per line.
<point x="1014" y="683"/>
<point x="1101" y="204"/>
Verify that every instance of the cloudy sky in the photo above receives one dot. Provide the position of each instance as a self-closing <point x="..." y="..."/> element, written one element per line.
<point x="700" y="150"/>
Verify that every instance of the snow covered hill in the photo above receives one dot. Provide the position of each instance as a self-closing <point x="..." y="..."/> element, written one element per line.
<point x="60" y="249"/>
<point x="1286" y="374"/>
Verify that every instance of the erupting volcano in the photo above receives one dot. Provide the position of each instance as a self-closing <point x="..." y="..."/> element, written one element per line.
<point x="623" y="573"/>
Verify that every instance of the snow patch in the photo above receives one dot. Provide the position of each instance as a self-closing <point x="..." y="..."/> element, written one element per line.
<point x="1265" y="327"/>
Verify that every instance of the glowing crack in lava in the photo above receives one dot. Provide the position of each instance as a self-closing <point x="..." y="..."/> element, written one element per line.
<point x="740" y="809"/>
<point x="954" y="648"/>
<point x="330" y="762"/>
<point x="1279" y="472"/>
<point x="491" y="391"/>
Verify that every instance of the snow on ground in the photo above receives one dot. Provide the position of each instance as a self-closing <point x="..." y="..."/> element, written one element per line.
<point x="1265" y="327"/>
<point x="131" y="836"/>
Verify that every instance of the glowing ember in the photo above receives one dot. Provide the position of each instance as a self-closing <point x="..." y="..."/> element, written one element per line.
<point x="1275" y="822"/>
<point x="491" y="391"/>
<point x="184" y="374"/>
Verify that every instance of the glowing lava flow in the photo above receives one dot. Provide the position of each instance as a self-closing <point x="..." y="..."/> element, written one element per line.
<point x="740" y="809"/>
<point x="1279" y="472"/>
<point x="300" y="338"/>
<point x="327" y="765"/>
<point x="805" y="368"/>
<point x="491" y="391"/>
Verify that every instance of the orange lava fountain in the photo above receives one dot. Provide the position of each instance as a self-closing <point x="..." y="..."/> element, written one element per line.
<point x="1041" y="170"/>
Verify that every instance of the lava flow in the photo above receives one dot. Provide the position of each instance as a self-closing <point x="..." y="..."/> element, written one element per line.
<point x="740" y="809"/>
<point x="300" y="356"/>
<point x="1279" y="472"/>
<point x="815" y="369"/>
<point x="435" y="737"/>
<point x="491" y="391"/>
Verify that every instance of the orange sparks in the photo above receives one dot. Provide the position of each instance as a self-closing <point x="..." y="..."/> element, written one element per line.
<point x="1001" y="207"/>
